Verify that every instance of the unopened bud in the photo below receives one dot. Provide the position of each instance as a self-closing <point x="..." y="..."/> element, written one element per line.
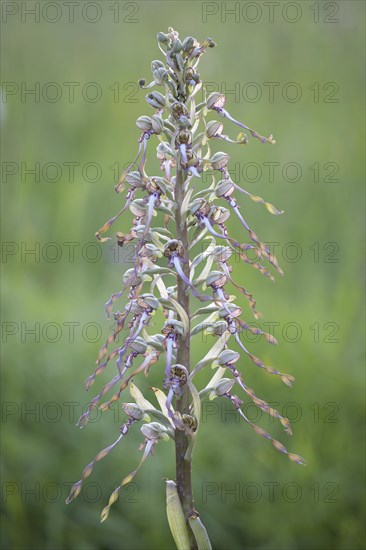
<point x="200" y="206"/>
<point x="177" y="46"/>
<point x="223" y="387"/>
<point x="224" y="189"/>
<point x="173" y="326"/>
<point x="228" y="357"/>
<point x="149" y="250"/>
<point x="130" y="275"/>
<point x="148" y="301"/>
<point x="156" y="341"/>
<point x="160" y="75"/>
<point x="156" y="64"/>
<point x="214" y="129"/>
<point x="221" y="253"/>
<point x="157" y="124"/>
<point x="133" y="411"/>
<point x="133" y="307"/>
<point x="163" y="38"/>
<point x="156" y="100"/>
<point x="217" y="329"/>
<point x="155" y="430"/>
<point x="138" y="345"/>
<point x="189" y="43"/>
<point x="219" y="214"/>
<point x="135" y="179"/>
<point x="144" y="123"/>
<point x="216" y="100"/>
<point x="234" y="310"/>
<point x="216" y="279"/>
<point x="164" y="149"/>
<point x="219" y="160"/>
<point x="137" y="208"/>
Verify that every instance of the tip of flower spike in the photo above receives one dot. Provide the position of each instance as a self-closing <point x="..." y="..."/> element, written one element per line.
<point x="298" y="459"/>
<point x="288" y="379"/>
<point x="104" y="514"/>
<point x="75" y="490"/>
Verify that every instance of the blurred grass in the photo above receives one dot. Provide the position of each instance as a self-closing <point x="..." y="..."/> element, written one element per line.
<point x="329" y="375"/>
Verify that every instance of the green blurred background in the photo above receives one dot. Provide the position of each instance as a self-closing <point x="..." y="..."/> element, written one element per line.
<point x="248" y="495"/>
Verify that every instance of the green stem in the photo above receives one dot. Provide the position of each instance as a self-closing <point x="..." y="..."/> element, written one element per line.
<point x="183" y="467"/>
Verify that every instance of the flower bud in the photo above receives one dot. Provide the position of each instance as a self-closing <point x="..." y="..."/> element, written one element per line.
<point x="156" y="185"/>
<point x="130" y="275"/>
<point x="173" y="35"/>
<point x="224" y="188"/>
<point x="157" y="124"/>
<point x="139" y="231"/>
<point x="188" y="44"/>
<point x="148" y="301"/>
<point x="234" y="310"/>
<point x="208" y="43"/>
<point x="222" y="387"/>
<point x="156" y="64"/>
<point x="216" y="100"/>
<point x="217" y="329"/>
<point x="149" y="250"/>
<point x="219" y="214"/>
<point x="214" y="129"/>
<point x="163" y="38"/>
<point x="144" y="123"/>
<point x="160" y="75"/>
<point x="219" y="160"/>
<point x="133" y="410"/>
<point x="138" y="345"/>
<point x="200" y="206"/>
<point x="134" y="307"/>
<point x="164" y="149"/>
<point x="216" y="279"/>
<point x="156" y="341"/>
<point x="135" y="179"/>
<point x="221" y="253"/>
<point x="173" y="325"/>
<point x="176" y="46"/>
<point x="228" y="357"/>
<point x="155" y="430"/>
<point x="189" y="74"/>
<point x="179" y="62"/>
<point x="156" y="100"/>
<point x="137" y="208"/>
